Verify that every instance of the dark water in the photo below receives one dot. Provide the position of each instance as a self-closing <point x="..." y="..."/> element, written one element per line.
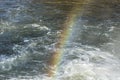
<point x="29" y="31"/>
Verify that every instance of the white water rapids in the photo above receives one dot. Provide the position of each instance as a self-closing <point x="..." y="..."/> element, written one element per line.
<point x="28" y="35"/>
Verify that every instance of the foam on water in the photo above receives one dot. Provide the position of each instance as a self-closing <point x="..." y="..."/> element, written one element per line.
<point x="29" y="44"/>
<point x="92" y="64"/>
<point x="79" y="62"/>
<point x="21" y="52"/>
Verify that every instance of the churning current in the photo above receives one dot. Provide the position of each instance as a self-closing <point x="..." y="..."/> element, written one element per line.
<point x="29" y="30"/>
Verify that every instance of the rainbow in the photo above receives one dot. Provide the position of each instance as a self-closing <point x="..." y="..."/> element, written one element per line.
<point x="65" y="35"/>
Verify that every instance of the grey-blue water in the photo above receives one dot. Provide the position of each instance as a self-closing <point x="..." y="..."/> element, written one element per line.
<point x="29" y="30"/>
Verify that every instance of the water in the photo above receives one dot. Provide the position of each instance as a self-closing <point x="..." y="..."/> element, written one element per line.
<point x="29" y="30"/>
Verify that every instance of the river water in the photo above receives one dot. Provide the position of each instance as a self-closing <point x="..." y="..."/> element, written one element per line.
<point x="29" y="30"/>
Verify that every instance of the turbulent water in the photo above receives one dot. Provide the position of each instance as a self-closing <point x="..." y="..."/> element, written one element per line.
<point x="29" y="30"/>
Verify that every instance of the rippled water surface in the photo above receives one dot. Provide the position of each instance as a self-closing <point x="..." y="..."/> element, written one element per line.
<point x="29" y="30"/>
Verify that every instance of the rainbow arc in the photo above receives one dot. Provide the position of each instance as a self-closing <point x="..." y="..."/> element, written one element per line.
<point x="65" y="35"/>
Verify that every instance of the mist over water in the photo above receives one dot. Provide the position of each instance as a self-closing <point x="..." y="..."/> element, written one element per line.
<point x="29" y="30"/>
